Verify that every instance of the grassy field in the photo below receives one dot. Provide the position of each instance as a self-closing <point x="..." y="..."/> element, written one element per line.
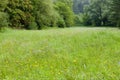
<point x="60" y="54"/>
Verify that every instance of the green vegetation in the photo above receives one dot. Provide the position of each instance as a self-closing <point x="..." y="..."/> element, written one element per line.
<point x="29" y="53"/>
<point x="36" y="14"/>
<point x="97" y="12"/>
<point x="60" y="54"/>
<point x="3" y="15"/>
<point x="40" y="14"/>
<point x="115" y="12"/>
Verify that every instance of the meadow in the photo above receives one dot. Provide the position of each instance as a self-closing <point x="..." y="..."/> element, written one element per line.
<point x="60" y="54"/>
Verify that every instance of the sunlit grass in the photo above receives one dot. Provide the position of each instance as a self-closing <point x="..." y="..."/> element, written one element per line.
<point x="60" y="54"/>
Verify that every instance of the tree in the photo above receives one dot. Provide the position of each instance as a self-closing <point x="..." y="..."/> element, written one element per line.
<point x="3" y="15"/>
<point x="44" y="12"/>
<point x="98" y="12"/>
<point x="115" y="12"/>
<point x="20" y="13"/>
<point x="65" y="11"/>
<point x="78" y="6"/>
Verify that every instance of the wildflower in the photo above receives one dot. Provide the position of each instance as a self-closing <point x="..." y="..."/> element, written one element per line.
<point x="74" y="61"/>
<point x="59" y="73"/>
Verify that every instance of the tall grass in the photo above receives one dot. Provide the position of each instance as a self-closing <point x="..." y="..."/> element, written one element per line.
<point x="60" y="54"/>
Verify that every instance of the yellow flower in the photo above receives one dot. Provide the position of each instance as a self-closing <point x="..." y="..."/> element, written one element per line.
<point x="59" y="73"/>
<point x="74" y="61"/>
<point x="35" y="61"/>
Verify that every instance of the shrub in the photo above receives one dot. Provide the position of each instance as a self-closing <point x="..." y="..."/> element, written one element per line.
<point x="86" y="20"/>
<point x="61" y="23"/>
<point x="78" y="19"/>
<point x="3" y="20"/>
<point x="33" y="26"/>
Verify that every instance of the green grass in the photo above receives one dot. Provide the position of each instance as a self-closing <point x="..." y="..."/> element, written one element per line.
<point x="60" y="54"/>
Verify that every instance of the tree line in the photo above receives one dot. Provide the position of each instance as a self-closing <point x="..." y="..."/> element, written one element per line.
<point x="38" y="14"/>
<point x="97" y="12"/>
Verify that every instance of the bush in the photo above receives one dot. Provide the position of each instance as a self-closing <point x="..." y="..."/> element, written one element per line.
<point x="86" y="20"/>
<point x="61" y="23"/>
<point x="78" y="19"/>
<point x="3" y="20"/>
<point x="33" y="26"/>
<point x="65" y="13"/>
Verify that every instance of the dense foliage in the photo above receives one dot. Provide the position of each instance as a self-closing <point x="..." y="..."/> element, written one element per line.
<point x="38" y="14"/>
<point x="3" y="15"/>
<point x="115" y="12"/>
<point x="98" y="12"/>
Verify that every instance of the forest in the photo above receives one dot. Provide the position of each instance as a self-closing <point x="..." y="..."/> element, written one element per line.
<point x="97" y="12"/>
<point x="38" y="14"/>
